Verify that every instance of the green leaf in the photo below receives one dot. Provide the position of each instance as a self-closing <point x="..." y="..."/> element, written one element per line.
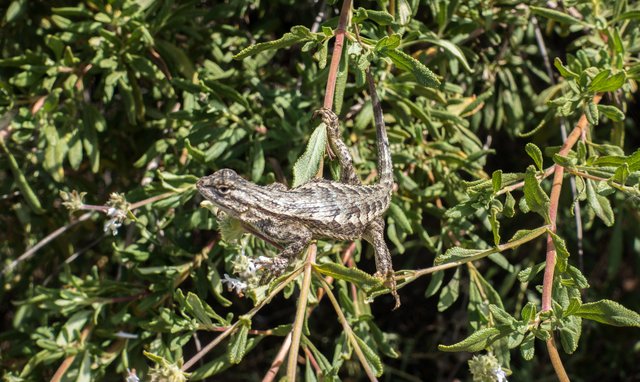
<point x="75" y="150"/>
<point x="407" y="63"/>
<point x="591" y="111"/>
<point x="501" y="316"/>
<point x="379" y="17"/>
<point x="570" y="332"/>
<point x="15" y="10"/>
<point x="341" y="82"/>
<point x="537" y="200"/>
<point x="238" y="343"/>
<point x="563" y="70"/>
<point x="603" y="83"/>
<point x="196" y="153"/>
<point x="21" y="182"/>
<point x="536" y="154"/>
<point x="307" y="165"/>
<point x="404" y="12"/>
<point x="495" y="225"/>
<point x="257" y="161"/>
<point x="449" y="294"/>
<point x="298" y="34"/>
<point x="509" y="206"/>
<point x="354" y="275"/>
<point x="399" y="216"/>
<point x="557" y="16"/>
<point x="611" y="112"/>
<point x="527" y="347"/>
<point x="93" y="122"/>
<point x="452" y="49"/>
<point x="459" y="253"/>
<point x="434" y="284"/>
<point x="496" y="180"/>
<point x="157" y="148"/>
<point x="371" y="356"/>
<point x="477" y="341"/>
<point x="529" y="312"/>
<point x="529" y="273"/>
<point x="197" y="308"/>
<point x="599" y="203"/>
<point x="608" y="312"/>
<point x="561" y="250"/>
<point x="565" y="162"/>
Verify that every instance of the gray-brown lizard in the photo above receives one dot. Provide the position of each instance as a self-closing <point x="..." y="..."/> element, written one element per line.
<point x="318" y="209"/>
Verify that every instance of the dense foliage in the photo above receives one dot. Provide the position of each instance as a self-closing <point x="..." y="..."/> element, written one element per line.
<point x="110" y="110"/>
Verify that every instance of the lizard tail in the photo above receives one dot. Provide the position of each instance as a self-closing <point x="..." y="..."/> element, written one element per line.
<point x="385" y="166"/>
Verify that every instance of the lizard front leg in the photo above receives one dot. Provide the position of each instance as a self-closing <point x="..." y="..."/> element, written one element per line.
<point x="293" y="236"/>
<point x="348" y="173"/>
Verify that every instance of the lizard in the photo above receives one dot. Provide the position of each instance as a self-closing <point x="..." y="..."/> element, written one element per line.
<point x="319" y="208"/>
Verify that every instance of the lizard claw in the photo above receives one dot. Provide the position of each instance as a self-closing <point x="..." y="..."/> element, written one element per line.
<point x="389" y="280"/>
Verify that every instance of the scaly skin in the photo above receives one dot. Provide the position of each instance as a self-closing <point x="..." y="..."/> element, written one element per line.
<point x="318" y="209"/>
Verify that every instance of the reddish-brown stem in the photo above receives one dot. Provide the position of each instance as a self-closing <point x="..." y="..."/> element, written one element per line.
<point x="337" y="53"/>
<point x="279" y="360"/>
<point x="556" y="361"/>
<point x="550" y="262"/>
<point x="64" y="366"/>
<point x="547" y="286"/>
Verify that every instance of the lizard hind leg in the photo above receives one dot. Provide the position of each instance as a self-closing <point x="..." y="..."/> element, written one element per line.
<point x="374" y="234"/>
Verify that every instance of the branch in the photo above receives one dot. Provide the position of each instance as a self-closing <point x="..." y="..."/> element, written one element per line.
<point x="337" y="53"/>
<point x="232" y="328"/>
<point x="349" y="332"/>
<point x="550" y="262"/>
<point x="547" y="286"/>
<point x="300" y="314"/>
<point x="31" y="251"/>
<point x="279" y="360"/>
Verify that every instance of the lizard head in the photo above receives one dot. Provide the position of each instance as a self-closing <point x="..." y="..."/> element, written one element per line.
<point x="224" y="189"/>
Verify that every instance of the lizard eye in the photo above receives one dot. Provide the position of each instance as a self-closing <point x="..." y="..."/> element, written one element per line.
<point x="224" y="189"/>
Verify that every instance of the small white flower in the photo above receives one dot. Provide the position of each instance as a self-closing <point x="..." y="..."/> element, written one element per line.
<point x="501" y="376"/>
<point x="234" y="284"/>
<point x="117" y="217"/>
<point x="131" y="376"/>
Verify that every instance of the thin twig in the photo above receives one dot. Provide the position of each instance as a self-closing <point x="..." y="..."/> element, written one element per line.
<point x="279" y="360"/>
<point x="233" y="327"/>
<point x="556" y="361"/>
<point x="31" y="251"/>
<point x="64" y="366"/>
<point x="349" y="332"/>
<point x="577" y="212"/>
<point x="298" y="323"/>
<point x="547" y="172"/>
<point x="411" y="276"/>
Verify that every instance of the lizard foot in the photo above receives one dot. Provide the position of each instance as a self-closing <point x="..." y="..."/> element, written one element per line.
<point x="273" y="267"/>
<point x="389" y="280"/>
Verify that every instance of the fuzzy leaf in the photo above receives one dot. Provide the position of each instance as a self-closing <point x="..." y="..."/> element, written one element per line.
<point x="238" y="343"/>
<point x="608" y="312"/>
<point x="477" y="341"/>
<point x="536" y="198"/>
<point x="307" y="165"/>
<point x="536" y="154"/>
<point x="599" y="204"/>
<point x="298" y="34"/>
